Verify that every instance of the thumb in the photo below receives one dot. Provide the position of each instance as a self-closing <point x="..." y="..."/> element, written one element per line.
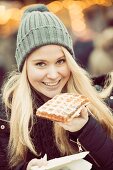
<point x="84" y="112"/>
<point x="36" y="162"/>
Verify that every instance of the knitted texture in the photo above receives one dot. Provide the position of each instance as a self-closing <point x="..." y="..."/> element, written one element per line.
<point x="40" y="27"/>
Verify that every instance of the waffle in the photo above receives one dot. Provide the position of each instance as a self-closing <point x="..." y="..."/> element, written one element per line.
<point x="63" y="107"/>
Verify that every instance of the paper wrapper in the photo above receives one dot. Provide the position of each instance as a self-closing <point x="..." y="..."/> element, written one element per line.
<point x="71" y="162"/>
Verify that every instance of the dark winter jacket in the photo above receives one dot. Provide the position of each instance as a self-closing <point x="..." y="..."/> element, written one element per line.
<point x="92" y="137"/>
<point x="4" y="138"/>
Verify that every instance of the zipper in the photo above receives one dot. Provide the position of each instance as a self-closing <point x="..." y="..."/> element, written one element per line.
<point x="82" y="148"/>
<point x="79" y="146"/>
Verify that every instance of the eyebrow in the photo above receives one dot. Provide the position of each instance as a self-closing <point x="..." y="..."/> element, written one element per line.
<point x="39" y="60"/>
<point x="42" y="60"/>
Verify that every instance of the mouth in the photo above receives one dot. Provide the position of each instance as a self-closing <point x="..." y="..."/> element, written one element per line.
<point x="51" y="84"/>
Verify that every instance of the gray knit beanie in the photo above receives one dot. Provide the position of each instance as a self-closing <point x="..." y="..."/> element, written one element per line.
<point x="40" y="27"/>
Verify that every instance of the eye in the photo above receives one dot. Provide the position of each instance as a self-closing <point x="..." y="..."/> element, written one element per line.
<point x="61" y="61"/>
<point x="40" y="64"/>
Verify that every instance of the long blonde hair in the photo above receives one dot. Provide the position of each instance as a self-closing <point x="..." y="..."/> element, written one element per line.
<point x="22" y="110"/>
<point x="108" y="86"/>
<point x="102" y="53"/>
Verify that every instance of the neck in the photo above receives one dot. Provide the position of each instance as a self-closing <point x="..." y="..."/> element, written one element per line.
<point x="40" y="95"/>
<point x="44" y="98"/>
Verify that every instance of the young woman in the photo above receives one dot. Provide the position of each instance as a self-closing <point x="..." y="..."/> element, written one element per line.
<point x="47" y="67"/>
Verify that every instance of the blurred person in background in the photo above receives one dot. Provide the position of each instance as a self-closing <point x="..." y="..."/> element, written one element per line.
<point x="2" y="75"/>
<point x="100" y="65"/>
<point x="83" y="47"/>
<point x="3" y="71"/>
<point x="47" y="67"/>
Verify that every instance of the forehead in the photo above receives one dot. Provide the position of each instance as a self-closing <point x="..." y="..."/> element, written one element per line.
<point x="48" y="51"/>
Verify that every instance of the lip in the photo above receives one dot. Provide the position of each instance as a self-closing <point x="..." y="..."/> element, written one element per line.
<point x="51" y="83"/>
<point x="51" y="86"/>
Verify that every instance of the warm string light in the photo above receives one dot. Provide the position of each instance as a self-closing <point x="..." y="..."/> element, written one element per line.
<point x="55" y="6"/>
<point x="76" y="15"/>
<point x="103" y="2"/>
<point x="10" y="17"/>
<point x="4" y="17"/>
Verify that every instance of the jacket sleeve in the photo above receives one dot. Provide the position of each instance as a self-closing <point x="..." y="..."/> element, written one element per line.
<point x="95" y="139"/>
<point x="4" y="138"/>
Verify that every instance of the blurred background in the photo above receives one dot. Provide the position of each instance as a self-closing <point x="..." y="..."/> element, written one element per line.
<point x="86" y="20"/>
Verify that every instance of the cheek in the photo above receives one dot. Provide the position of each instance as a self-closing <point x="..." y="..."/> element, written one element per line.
<point x="35" y="75"/>
<point x="65" y="71"/>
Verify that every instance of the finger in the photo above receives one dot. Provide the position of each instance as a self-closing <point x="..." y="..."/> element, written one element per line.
<point x="37" y="162"/>
<point x="84" y="112"/>
<point x="65" y="126"/>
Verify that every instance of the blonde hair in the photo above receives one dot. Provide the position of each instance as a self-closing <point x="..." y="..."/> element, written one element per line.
<point x="101" y="59"/>
<point x="104" y="40"/>
<point x="22" y="110"/>
<point x="99" y="63"/>
<point x="108" y="86"/>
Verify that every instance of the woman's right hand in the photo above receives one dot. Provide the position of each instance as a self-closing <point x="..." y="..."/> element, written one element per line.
<point x="37" y="162"/>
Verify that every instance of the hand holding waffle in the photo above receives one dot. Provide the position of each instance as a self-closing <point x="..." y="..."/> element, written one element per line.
<point x="63" y="107"/>
<point x="77" y="123"/>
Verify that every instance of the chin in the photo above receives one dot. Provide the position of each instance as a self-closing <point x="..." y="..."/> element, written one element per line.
<point x="51" y="95"/>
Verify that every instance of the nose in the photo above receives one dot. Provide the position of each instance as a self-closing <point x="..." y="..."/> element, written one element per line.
<point x="52" y="73"/>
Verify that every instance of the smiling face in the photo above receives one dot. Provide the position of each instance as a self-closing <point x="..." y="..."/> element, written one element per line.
<point x="47" y="70"/>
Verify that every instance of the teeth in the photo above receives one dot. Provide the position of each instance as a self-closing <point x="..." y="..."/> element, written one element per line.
<point x="51" y="84"/>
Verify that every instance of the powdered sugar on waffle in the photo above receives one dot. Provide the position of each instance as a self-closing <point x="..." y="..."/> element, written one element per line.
<point x="62" y="107"/>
